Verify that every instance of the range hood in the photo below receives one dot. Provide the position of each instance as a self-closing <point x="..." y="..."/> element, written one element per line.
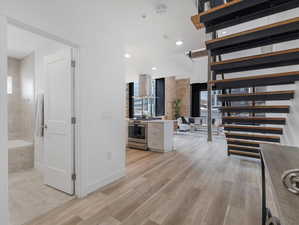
<point x="145" y="86"/>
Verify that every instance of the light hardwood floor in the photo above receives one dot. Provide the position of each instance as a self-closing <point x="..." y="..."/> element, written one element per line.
<point x="195" y="185"/>
<point x="29" y="197"/>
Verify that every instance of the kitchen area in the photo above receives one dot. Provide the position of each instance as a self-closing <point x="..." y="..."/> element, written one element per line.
<point x="147" y="131"/>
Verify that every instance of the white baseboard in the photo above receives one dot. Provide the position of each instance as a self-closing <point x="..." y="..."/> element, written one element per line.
<point x="101" y="183"/>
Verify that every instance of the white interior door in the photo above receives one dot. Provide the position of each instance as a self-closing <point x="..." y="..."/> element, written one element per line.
<point x="58" y="147"/>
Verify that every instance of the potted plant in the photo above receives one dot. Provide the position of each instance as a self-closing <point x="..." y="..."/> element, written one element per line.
<point x="177" y="108"/>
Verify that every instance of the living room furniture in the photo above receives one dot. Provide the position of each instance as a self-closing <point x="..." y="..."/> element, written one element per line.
<point x="202" y="126"/>
<point x="183" y="123"/>
<point x="279" y="165"/>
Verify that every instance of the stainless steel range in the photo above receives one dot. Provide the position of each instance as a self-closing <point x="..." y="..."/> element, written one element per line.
<point x="137" y="134"/>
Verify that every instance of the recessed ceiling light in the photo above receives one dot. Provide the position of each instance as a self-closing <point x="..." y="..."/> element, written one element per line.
<point x="179" y="43"/>
<point x="127" y="55"/>
<point x="154" y="68"/>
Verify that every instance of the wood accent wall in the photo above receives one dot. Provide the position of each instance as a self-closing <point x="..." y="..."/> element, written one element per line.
<point x="170" y="97"/>
<point x="177" y="89"/>
<point x="183" y="92"/>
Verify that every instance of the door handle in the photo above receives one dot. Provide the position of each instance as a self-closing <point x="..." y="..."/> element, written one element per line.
<point x="45" y="126"/>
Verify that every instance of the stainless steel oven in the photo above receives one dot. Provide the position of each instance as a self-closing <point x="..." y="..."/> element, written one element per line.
<point x="137" y="135"/>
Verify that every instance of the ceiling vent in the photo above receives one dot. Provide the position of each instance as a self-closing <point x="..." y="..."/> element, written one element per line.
<point x="161" y="8"/>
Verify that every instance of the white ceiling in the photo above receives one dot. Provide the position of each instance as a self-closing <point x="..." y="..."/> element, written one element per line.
<point x="151" y="40"/>
<point x="22" y="43"/>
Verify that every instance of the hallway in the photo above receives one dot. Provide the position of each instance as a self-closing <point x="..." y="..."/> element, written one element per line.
<point x="189" y="186"/>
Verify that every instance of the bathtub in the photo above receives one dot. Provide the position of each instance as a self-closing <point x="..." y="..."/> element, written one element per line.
<point x="20" y="155"/>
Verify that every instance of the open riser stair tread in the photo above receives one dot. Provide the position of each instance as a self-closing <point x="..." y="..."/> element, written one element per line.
<point x="238" y="11"/>
<point x="245" y="115"/>
<point x="255" y="137"/>
<point x="257" y="81"/>
<point x="254" y="129"/>
<point x="243" y="148"/>
<point x="258" y="96"/>
<point x="243" y="153"/>
<point x="243" y="143"/>
<point x="270" y="34"/>
<point x="253" y="120"/>
<point x="257" y="109"/>
<point x="262" y="61"/>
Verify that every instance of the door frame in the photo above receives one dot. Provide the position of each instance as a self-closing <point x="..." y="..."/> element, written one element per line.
<point x="4" y="215"/>
<point x="79" y="186"/>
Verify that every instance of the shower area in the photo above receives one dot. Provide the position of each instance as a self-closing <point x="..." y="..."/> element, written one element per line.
<point x="20" y="90"/>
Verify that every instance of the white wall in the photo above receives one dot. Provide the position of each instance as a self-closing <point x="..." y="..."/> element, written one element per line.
<point x="200" y="70"/>
<point x="101" y="82"/>
<point x="197" y="74"/>
<point x="3" y="127"/>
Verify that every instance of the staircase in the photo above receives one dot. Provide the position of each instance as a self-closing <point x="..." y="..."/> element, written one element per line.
<point x="247" y="126"/>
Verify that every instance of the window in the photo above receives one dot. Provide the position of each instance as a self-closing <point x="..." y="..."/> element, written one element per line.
<point x="9" y="85"/>
<point x="204" y="103"/>
<point x="144" y="106"/>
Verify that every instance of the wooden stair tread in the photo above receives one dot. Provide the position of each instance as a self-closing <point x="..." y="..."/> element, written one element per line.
<point x="258" y="93"/>
<point x="258" y="96"/>
<point x="247" y="143"/>
<point x="262" y="61"/>
<point x="262" y="28"/>
<point x="255" y="135"/>
<point x="251" y="135"/>
<point x="294" y="73"/>
<point x="258" y="80"/>
<point x="240" y="11"/>
<point x="246" y="148"/>
<point x="246" y="58"/>
<point x="223" y="6"/>
<point x="254" y="129"/>
<point x="196" y="21"/>
<point x="254" y="118"/>
<point x="257" y="109"/>
<point x="256" y="155"/>
<point x="243" y="142"/>
<point x="269" y="34"/>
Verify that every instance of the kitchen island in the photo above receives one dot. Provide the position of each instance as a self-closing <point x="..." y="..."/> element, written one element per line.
<point x="153" y="135"/>
<point x="160" y="135"/>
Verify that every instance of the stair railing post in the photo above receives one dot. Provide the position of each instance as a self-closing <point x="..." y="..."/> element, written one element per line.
<point x="211" y="76"/>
